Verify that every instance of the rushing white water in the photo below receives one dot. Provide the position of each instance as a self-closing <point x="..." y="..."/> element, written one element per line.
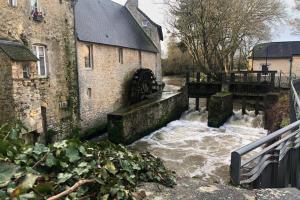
<point x="191" y="148"/>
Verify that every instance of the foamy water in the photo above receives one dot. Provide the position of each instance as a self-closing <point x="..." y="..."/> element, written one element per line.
<point x="191" y="148"/>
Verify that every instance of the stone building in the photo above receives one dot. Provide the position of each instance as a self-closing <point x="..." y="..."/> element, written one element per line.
<point x="282" y="57"/>
<point x="42" y="92"/>
<point x="113" y="41"/>
<point x="75" y="61"/>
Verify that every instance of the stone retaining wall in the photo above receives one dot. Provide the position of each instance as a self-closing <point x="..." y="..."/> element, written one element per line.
<point x="132" y="123"/>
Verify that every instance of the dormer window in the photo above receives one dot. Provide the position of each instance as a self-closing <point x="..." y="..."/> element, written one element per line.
<point x="12" y="3"/>
<point x="145" y="23"/>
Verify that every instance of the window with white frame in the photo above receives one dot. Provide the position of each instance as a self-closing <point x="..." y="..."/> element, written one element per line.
<point x="26" y="71"/>
<point x="89" y="59"/>
<point x="40" y="52"/>
<point x="34" y="5"/>
<point x="12" y="3"/>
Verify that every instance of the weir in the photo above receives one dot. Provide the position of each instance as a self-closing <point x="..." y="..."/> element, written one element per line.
<point x="255" y="89"/>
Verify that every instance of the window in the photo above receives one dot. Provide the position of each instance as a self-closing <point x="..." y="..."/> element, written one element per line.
<point x="89" y="92"/>
<point x="26" y="71"/>
<point x="40" y="53"/>
<point x="145" y="23"/>
<point x="12" y="3"/>
<point x="121" y="55"/>
<point x="89" y="57"/>
<point x="140" y="58"/>
<point x="34" y="5"/>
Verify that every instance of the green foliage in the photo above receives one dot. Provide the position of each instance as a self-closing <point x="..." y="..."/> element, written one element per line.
<point x="39" y="171"/>
<point x="285" y="122"/>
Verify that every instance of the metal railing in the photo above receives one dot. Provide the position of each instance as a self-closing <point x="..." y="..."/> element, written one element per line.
<point x="274" y="160"/>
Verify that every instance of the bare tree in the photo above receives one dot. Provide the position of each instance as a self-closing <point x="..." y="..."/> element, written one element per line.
<point x="215" y="30"/>
<point x="296" y="22"/>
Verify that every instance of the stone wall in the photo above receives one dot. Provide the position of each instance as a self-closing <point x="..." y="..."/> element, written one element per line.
<point x="56" y="33"/>
<point x="26" y="96"/>
<point x="108" y="80"/>
<point x="220" y="109"/>
<point x="132" y="123"/>
<point x="6" y="85"/>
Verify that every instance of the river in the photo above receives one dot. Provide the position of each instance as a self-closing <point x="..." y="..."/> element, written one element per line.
<point x="192" y="149"/>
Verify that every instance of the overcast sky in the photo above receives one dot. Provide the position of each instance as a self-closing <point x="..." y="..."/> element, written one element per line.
<point x="157" y="12"/>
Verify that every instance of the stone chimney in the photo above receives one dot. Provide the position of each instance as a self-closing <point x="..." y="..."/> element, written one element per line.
<point x="130" y="4"/>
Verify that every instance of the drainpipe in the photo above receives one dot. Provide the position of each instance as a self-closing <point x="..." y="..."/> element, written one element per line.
<point x="291" y="66"/>
<point x="76" y="60"/>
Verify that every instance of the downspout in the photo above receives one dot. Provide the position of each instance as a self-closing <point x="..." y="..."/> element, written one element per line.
<point x="76" y="60"/>
<point x="291" y="66"/>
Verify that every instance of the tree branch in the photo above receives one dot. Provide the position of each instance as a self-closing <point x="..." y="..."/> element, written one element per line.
<point x="71" y="189"/>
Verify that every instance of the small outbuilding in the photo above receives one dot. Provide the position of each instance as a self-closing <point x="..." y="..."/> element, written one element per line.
<point x="283" y="57"/>
<point x="19" y="89"/>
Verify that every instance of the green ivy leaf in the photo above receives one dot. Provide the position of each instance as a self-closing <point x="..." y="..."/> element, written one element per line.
<point x="45" y="188"/>
<point x="39" y="149"/>
<point x="61" y="145"/>
<point x="63" y="177"/>
<point x="6" y="173"/>
<point x="105" y="197"/>
<point x="51" y="161"/>
<point x="110" y="167"/>
<point x="64" y="165"/>
<point x="72" y="154"/>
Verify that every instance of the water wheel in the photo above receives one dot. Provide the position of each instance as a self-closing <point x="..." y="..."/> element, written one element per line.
<point x="143" y="86"/>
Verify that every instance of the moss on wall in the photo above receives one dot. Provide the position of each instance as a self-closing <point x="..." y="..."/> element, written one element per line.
<point x="129" y="125"/>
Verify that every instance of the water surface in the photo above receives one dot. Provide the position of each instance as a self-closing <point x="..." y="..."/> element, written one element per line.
<point x="192" y="149"/>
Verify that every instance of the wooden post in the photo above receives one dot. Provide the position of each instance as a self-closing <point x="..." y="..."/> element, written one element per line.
<point x="208" y="78"/>
<point x="279" y="84"/>
<point x="232" y="77"/>
<point x="259" y="77"/>
<point x="273" y="79"/>
<point x="187" y="77"/>
<point x="244" y="106"/>
<point x="197" y="99"/>
<point x="256" y="107"/>
<point x="207" y="103"/>
<point x="245" y="76"/>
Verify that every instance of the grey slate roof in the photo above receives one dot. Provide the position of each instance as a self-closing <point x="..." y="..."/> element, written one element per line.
<point x="276" y="50"/>
<point x="16" y="51"/>
<point x="109" y="23"/>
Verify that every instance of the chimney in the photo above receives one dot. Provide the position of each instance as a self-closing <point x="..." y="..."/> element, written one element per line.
<point x="132" y="4"/>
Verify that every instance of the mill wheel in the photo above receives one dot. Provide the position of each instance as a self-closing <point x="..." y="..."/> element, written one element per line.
<point x="143" y="85"/>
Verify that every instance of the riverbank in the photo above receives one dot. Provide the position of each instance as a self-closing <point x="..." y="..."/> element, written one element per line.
<point x="277" y="115"/>
<point x="195" y="189"/>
